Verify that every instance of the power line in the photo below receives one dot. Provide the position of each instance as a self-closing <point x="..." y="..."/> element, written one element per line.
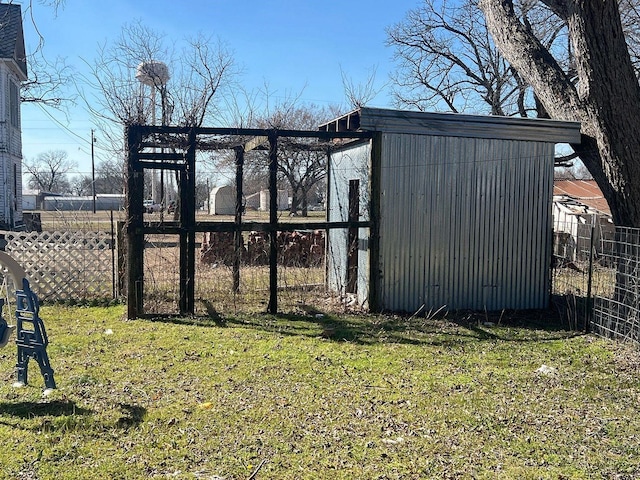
<point x="63" y="126"/>
<point x="68" y="131"/>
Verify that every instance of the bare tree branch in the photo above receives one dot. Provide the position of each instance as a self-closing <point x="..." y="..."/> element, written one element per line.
<point x="360" y="94"/>
<point x="48" y="172"/>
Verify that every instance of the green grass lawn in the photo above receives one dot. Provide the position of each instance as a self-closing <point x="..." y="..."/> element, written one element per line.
<point x="368" y="397"/>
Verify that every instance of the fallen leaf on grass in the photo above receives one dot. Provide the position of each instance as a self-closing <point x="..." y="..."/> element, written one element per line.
<point x="547" y="370"/>
<point x="391" y="441"/>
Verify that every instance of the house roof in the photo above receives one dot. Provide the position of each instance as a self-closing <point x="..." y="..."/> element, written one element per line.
<point x="455" y="125"/>
<point x="12" y="37"/>
<point x="585" y="191"/>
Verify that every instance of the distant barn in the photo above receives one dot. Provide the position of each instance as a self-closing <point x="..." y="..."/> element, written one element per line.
<point x="104" y="201"/>
<point x="260" y="200"/>
<point x="459" y="205"/>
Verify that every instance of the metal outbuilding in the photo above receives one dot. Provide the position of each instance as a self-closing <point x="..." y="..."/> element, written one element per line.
<point x="459" y="208"/>
<point x="222" y="200"/>
<point x="103" y="202"/>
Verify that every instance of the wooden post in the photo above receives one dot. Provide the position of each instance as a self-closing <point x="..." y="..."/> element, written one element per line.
<point x="121" y="254"/>
<point x="327" y="217"/>
<point x="183" y="246"/>
<point x="188" y="229"/>
<point x="135" y="232"/>
<point x="237" y="233"/>
<point x="191" y="230"/>
<point x="273" y="221"/>
<point x="375" y="173"/>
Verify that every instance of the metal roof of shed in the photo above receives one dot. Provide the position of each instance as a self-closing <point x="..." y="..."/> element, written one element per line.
<point x="455" y="125"/>
<point x="584" y="191"/>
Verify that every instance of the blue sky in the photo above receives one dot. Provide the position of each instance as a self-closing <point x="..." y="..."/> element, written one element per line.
<point x="294" y="46"/>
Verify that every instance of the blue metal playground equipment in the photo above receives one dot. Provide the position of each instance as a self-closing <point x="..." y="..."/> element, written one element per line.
<point x="31" y="334"/>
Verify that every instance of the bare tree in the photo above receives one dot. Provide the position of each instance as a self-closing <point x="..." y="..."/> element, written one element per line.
<point x="80" y="185"/>
<point x="109" y="179"/>
<point x="447" y="60"/>
<point x="115" y="90"/>
<point x="301" y="162"/>
<point x="198" y="78"/>
<point x="49" y="171"/>
<point x="47" y="82"/>
<point x="110" y="176"/>
<point x="200" y="72"/>
<point x="574" y="172"/>
<point x="604" y="97"/>
<point x="630" y="16"/>
<point x="48" y="78"/>
<point x="359" y="94"/>
<point x="207" y="68"/>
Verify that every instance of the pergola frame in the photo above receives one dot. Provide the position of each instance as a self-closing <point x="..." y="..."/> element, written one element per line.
<point x="174" y="148"/>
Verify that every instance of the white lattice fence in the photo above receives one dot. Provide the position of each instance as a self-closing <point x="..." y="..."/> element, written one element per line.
<point x="65" y="265"/>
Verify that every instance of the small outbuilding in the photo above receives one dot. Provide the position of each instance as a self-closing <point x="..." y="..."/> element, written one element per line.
<point x="222" y="200"/>
<point x="102" y="202"/>
<point x="457" y="208"/>
<point x="580" y="212"/>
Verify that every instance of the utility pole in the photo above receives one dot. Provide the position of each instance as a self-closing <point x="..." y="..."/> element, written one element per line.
<point x="93" y="172"/>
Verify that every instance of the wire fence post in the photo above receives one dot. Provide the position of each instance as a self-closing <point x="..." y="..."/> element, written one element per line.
<point x="113" y="258"/>
<point x="589" y="306"/>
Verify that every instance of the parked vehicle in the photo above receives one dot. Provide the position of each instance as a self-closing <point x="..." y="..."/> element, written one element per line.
<point x="151" y="207"/>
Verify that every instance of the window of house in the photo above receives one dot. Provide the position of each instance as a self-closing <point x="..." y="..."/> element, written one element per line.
<point x="14" y="103"/>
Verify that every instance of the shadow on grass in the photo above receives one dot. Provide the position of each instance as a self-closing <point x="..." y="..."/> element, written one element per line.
<point x="132" y="415"/>
<point x="523" y="325"/>
<point x="56" y="408"/>
<point x="68" y="415"/>
<point x="445" y="328"/>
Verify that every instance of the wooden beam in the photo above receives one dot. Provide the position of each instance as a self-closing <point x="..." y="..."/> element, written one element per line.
<point x="255" y="142"/>
<point x="173" y="228"/>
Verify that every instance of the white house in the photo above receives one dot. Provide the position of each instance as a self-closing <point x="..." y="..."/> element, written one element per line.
<point x="13" y="71"/>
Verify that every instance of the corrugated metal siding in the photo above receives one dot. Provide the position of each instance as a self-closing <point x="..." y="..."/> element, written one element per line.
<point x="350" y="164"/>
<point x="464" y="223"/>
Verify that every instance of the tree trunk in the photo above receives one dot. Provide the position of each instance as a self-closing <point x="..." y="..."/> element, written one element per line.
<point x="606" y="100"/>
<point x="294" y="203"/>
<point x="304" y="204"/>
